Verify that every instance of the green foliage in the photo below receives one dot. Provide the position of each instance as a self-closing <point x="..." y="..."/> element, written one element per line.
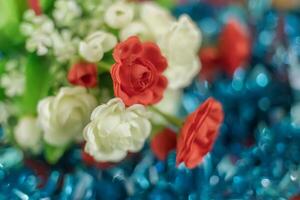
<point x="11" y="12"/>
<point x="53" y="154"/>
<point x="37" y="82"/>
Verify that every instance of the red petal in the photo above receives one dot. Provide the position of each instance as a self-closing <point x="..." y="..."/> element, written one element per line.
<point x="152" y="53"/>
<point x="199" y="133"/>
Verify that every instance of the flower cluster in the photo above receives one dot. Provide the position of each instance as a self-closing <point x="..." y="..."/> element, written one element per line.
<point x="101" y="74"/>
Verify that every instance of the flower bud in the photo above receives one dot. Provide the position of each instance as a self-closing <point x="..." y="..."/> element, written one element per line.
<point x="95" y="45"/>
<point x="119" y="15"/>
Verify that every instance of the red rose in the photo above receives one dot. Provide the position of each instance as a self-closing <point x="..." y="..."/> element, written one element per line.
<point x="163" y="142"/>
<point x="199" y="133"/>
<point x="234" y="46"/>
<point x="84" y="74"/>
<point x="137" y="73"/>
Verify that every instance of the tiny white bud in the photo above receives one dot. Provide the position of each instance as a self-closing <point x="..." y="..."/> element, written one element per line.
<point x="95" y="45"/>
<point x="28" y="134"/>
<point x="119" y="15"/>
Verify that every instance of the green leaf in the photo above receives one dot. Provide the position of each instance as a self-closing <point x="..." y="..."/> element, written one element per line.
<point x="47" y="5"/>
<point x="11" y="12"/>
<point x="53" y="154"/>
<point x="37" y="83"/>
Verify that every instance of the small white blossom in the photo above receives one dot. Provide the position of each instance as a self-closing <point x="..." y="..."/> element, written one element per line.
<point x="64" y="45"/>
<point x="119" y="14"/>
<point x="114" y="130"/>
<point x="38" y="30"/>
<point x="63" y="117"/>
<point x="28" y="134"/>
<point x="96" y="44"/>
<point x="135" y="28"/>
<point x="156" y="18"/>
<point x="180" y="46"/>
<point x="13" y="83"/>
<point x="66" y="12"/>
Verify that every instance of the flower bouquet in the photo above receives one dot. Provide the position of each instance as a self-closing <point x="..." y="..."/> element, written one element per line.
<point x="100" y="74"/>
<point x="115" y="99"/>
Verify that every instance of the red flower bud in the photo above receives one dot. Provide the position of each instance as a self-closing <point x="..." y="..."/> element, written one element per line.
<point x="83" y="74"/>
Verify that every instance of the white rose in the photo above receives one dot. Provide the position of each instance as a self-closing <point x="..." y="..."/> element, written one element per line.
<point x="96" y="44"/>
<point x="135" y="28"/>
<point x="63" y="117"/>
<point x="28" y="134"/>
<point x="180" y="46"/>
<point x="115" y="129"/>
<point x="119" y="14"/>
<point x="156" y="18"/>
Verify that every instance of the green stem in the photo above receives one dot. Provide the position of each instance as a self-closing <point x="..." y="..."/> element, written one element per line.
<point x="169" y="118"/>
<point x="104" y="66"/>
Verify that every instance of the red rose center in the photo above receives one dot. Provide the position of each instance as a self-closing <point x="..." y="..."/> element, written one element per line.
<point x="141" y="77"/>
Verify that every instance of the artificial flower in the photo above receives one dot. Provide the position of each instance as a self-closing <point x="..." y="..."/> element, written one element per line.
<point x="64" y="45"/>
<point x="163" y="143"/>
<point x="64" y="116"/>
<point x="90" y="161"/>
<point x="135" y="28"/>
<point x="83" y="74"/>
<point x="199" y="132"/>
<point x="28" y="134"/>
<point x="96" y="44"/>
<point x="234" y="37"/>
<point x="13" y="83"/>
<point x="114" y="130"/>
<point x="180" y="46"/>
<point x="65" y="12"/>
<point x="119" y="14"/>
<point x="157" y="19"/>
<point x="137" y="73"/>
<point x="39" y="30"/>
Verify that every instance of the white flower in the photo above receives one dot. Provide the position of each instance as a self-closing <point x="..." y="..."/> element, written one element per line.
<point x="180" y="46"/>
<point x="96" y="44"/>
<point x="115" y="129"/>
<point x="13" y="83"/>
<point x="64" y="45"/>
<point x="38" y="29"/>
<point x="156" y="18"/>
<point x="28" y="134"/>
<point x="66" y="12"/>
<point x="64" y="116"/>
<point x="119" y="14"/>
<point x="135" y="28"/>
